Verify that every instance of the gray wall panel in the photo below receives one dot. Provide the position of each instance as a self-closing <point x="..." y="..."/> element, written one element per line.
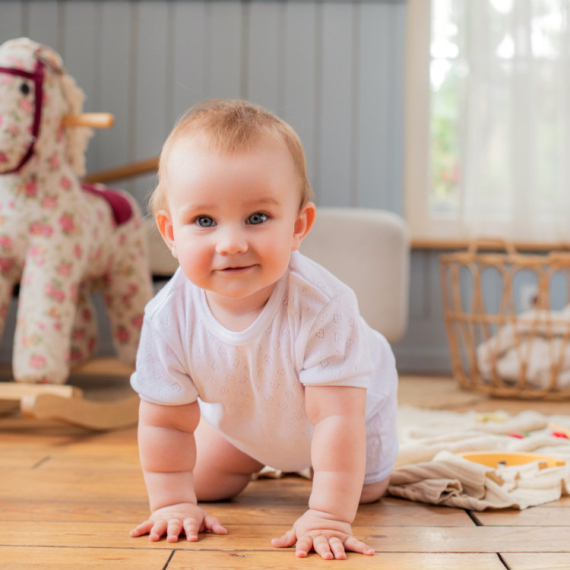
<point x="424" y="346"/>
<point x="11" y="20"/>
<point x="227" y="50"/>
<point x="335" y="106"/>
<point x="44" y="23"/>
<point x="81" y="43"/>
<point x="191" y="26"/>
<point x="371" y="180"/>
<point x="395" y="103"/>
<point x="264" y="49"/>
<point x="115" y="86"/>
<point x="153" y="86"/>
<point x="299" y="76"/>
<point x="417" y="297"/>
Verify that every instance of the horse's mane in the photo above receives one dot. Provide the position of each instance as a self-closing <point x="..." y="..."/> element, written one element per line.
<point x="76" y="138"/>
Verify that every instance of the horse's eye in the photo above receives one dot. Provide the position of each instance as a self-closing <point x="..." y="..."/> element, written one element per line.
<point x="25" y="88"/>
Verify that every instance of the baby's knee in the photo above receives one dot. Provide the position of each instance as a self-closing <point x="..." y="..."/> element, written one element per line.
<point x="373" y="492"/>
<point x="220" y="487"/>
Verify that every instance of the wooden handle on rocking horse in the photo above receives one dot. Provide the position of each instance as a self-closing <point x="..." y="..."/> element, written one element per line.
<point x="150" y="165"/>
<point x="93" y="120"/>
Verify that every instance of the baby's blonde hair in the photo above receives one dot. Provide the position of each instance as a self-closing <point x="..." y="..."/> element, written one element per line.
<point x="231" y="126"/>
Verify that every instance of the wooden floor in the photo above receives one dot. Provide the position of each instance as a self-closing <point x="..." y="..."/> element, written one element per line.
<point x="68" y="499"/>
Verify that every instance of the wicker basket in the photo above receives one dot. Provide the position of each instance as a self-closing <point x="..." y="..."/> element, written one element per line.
<point x="496" y="346"/>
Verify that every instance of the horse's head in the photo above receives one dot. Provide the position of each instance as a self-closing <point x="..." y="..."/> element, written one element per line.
<point x="35" y="93"/>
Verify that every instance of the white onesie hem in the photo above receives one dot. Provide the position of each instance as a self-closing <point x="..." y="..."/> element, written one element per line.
<point x="379" y="476"/>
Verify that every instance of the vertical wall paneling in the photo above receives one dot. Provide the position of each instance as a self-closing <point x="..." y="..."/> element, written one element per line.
<point x="191" y="30"/>
<point x="434" y="302"/>
<point x="80" y="53"/>
<point x="45" y="22"/>
<point x="225" y="50"/>
<point x="265" y="43"/>
<point x="11" y="20"/>
<point x="416" y="302"/>
<point x="374" y="82"/>
<point x="397" y="18"/>
<point x="299" y="90"/>
<point x="335" y="105"/>
<point x="152" y="87"/>
<point x="114" y="37"/>
<point x="424" y="346"/>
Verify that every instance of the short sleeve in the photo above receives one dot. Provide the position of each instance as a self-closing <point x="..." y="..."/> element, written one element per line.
<point x="160" y="376"/>
<point x="337" y="349"/>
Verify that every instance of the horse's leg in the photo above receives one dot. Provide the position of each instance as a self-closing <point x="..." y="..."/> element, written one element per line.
<point x="129" y="289"/>
<point x="6" y="292"/>
<point x="46" y="312"/>
<point x="84" y="332"/>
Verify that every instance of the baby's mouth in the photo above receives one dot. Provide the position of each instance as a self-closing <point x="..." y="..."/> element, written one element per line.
<point x="236" y="269"/>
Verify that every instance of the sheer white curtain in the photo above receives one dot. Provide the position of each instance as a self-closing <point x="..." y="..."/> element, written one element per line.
<point x="514" y="119"/>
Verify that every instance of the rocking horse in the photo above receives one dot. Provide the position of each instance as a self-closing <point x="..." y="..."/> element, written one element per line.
<point x="61" y="240"/>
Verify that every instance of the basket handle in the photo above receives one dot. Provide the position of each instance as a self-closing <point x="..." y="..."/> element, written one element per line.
<point x="491" y="243"/>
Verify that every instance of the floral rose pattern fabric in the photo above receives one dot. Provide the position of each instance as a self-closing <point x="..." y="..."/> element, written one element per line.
<point x="57" y="240"/>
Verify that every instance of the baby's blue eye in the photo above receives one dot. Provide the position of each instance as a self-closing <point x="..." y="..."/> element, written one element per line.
<point x="205" y="221"/>
<point x="256" y="219"/>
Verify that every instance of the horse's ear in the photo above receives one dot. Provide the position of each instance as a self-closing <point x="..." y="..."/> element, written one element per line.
<point x="49" y="57"/>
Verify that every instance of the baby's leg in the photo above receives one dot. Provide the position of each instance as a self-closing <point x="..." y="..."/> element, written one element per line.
<point x="374" y="491"/>
<point x="222" y="471"/>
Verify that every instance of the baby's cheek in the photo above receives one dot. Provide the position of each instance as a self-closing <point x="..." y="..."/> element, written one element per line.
<point x="196" y="263"/>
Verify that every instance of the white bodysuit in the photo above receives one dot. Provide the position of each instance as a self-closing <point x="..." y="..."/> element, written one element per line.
<point x="250" y="384"/>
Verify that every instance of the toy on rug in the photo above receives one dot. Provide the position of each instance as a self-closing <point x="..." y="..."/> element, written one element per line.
<point x="58" y="238"/>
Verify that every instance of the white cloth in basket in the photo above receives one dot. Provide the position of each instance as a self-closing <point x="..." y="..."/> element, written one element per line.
<point x="537" y="338"/>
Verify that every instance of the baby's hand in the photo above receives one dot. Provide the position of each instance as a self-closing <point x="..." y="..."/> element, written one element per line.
<point x="173" y="519"/>
<point x="318" y="531"/>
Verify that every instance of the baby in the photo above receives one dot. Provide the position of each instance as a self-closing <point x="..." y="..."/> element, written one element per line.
<point x="253" y="354"/>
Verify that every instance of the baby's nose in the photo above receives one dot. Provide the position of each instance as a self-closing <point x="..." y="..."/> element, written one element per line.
<point x="231" y="241"/>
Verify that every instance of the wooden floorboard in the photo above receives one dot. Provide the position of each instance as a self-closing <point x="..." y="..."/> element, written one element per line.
<point x="524" y="561"/>
<point x="50" y="558"/>
<point x="242" y="560"/>
<point x="258" y="537"/>
<point x="381" y="514"/>
<point x="538" y="516"/>
<point x="68" y="498"/>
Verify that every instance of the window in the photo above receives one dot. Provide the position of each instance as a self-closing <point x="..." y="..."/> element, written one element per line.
<point x="488" y="119"/>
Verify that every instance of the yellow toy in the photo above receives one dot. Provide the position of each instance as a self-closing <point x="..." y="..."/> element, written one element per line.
<point x="503" y="459"/>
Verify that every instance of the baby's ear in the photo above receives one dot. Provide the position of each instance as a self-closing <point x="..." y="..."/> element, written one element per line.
<point x="166" y="229"/>
<point x="303" y="224"/>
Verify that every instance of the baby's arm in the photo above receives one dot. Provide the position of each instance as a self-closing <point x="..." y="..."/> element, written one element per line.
<point x="338" y="453"/>
<point x="168" y="456"/>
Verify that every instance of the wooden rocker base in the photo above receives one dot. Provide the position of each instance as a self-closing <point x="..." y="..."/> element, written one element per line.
<point x="67" y="403"/>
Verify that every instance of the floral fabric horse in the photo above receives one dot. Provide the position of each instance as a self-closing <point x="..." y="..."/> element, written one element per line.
<point x="59" y="239"/>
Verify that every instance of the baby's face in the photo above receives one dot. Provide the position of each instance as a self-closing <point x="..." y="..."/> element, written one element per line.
<point x="233" y="219"/>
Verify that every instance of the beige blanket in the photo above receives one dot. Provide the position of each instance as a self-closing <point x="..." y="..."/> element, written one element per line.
<point x="428" y="470"/>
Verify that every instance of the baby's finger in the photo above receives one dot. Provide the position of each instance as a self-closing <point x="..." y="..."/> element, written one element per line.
<point x="356" y="545"/>
<point x="321" y="546"/>
<point x="304" y="545"/>
<point x="213" y="524"/>
<point x="191" y="529"/>
<point x="337" y="548"/>
<point x="174" y="528"/>
<point x="157" y="530"/>
<point x="285" y="541"/>
<point x="143" y="528"/>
